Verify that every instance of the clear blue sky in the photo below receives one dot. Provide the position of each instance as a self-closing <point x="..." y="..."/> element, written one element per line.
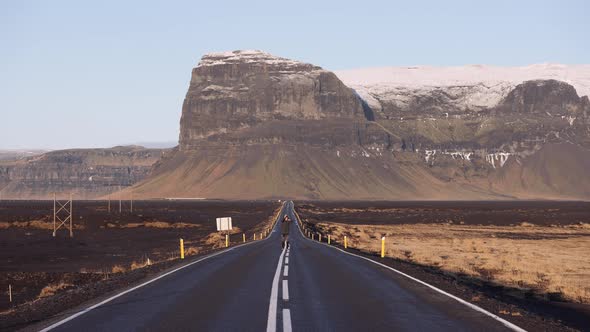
<point x="100" y="73"/>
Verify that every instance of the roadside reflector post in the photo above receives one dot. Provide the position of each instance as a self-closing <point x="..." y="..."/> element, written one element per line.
<point x="10" y="293"/>
<point x="345" y="242"/>
<point x="312" y="236"/>
<point x="383" y="247"/>
<point x="261" y="236"/>
<point x="244" y="237"/>
<point x="226" y="240"/>
<point x="320" y="237"/>
<point x="328" y="238"/>
<point x="254" y="236"/>
<point x="181" y="249"/>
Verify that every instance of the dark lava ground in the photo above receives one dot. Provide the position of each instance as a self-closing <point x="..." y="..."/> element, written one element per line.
<point x="31" y="258"/>
<point x="498" y="213"/>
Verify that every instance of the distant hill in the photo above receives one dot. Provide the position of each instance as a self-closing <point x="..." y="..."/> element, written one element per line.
<point x="87" y="173"/>
<point x="157" y="145"/>
<point x="15" y="154"/>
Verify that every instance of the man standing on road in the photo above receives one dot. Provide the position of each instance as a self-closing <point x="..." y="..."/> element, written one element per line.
<point x="285" y="225"/>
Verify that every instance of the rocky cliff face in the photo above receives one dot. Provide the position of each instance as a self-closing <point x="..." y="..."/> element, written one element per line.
<point x="545" y="97"/>
<point x="242" y="89"/>
<point x="86" y="173"/>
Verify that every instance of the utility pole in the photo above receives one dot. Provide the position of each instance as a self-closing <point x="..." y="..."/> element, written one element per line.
<point x="120" y="199"/>
<point x="71" y="214"/>
<point x="63" y="214"/>
<point x="132" y="202"/>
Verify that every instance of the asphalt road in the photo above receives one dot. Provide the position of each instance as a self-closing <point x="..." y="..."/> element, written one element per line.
<point x="259" y="287"/>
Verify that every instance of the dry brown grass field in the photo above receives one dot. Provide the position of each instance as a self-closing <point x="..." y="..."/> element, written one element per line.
<point x="531" y="247"/>
<point x="546" y="259"/>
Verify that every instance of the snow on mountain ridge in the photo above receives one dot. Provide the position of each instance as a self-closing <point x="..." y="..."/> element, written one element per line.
<point x="473" y="86"/>
<point x="246" y="56"/>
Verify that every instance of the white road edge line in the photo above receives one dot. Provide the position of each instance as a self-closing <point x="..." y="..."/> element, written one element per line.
<point x="286" y="260"/>
<point x="80" y="313"/>
<point x="285" y="290"/>
<point x="286" y="271"/>
<point x="468" y="304"/>
<point x="271" y="323"/>
<point x="287" y="320"/>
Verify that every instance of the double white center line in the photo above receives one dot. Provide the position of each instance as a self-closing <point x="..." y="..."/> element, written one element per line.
<point x="286" y="312"/>
<point x="285" y="281"/>
<point x="271" y="324"/>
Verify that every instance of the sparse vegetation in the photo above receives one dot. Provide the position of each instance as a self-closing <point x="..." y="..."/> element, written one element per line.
<point x="51" y="289"/>
<point x="153" y="224"/>
<point x="118" y="269"/>
<point x="33" y="224"/>
<point x="547" y="260"/>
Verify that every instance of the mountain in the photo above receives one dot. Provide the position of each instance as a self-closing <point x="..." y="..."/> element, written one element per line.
<point x="234" y="91"/>
<point x="86" y="173"/>
<point x="255" y="125"/>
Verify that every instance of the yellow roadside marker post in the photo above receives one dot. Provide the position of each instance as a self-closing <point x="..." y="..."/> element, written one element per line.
<point x="226" y="240"/>
<point x="254" y="236"/>
<point x="383" y="247"/>
<point x="181" y="249"/>
<point x="345" y="243"/>
<point x="328" y="238"/>
<point x="244" y="237"/>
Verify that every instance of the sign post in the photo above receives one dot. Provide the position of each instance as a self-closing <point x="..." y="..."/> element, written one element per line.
<point x="224" y="224"/>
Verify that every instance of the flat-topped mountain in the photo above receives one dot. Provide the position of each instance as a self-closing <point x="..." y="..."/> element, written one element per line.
<point x="239" y="90"/>
<point x="259" y="126"/>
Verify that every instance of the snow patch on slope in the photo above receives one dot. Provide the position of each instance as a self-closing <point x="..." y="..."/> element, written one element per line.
<point x="475" y="86"/>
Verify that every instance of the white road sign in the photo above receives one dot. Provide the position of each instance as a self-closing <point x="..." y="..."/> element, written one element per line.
<point x="224" y="224"/>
